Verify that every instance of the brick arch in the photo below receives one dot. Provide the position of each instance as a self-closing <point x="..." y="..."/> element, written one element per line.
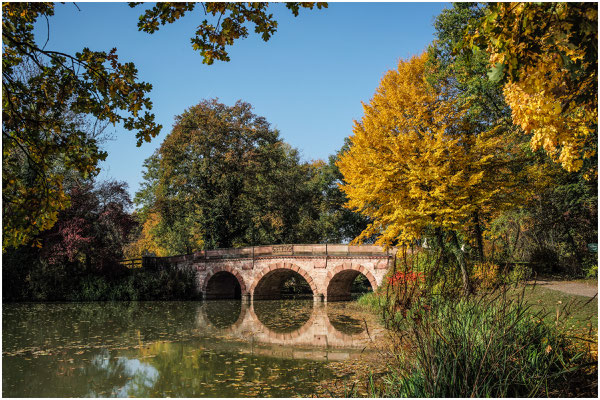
<point x="349" y="266"/>
<point x="290" y="266"/>
<point x="225" y="268"/>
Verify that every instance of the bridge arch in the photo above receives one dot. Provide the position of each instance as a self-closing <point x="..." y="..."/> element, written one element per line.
<point x="267" y="284"/>
<point x="339" y="281"/>
<point x="220" y="283"/>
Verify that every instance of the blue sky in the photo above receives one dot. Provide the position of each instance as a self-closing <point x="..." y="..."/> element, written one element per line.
<point x="308" y="81"/>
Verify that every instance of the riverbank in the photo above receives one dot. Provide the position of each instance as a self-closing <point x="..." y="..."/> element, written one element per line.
<point x="558" y="330"/>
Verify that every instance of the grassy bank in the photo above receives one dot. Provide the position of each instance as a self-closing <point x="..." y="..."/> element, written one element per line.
<point x="524" y="342"/>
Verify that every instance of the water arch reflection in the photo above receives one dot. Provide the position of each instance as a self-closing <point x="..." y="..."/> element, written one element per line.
<point x="292" y="323"/>
<point x="223" y="314"/>
<point x="283" y="316"/>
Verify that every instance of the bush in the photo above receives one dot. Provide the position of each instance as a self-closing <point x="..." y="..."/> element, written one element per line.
<point x="592" y="271"/>
<point x="486" y="275"/>
<point x="520" y="273"/>
<point x="65" y="282"/>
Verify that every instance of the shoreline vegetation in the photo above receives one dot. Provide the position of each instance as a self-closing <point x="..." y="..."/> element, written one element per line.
<point x="509" y="338"/>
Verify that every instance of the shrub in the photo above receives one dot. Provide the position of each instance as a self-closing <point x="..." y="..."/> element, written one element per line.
<point x="520" y="273"/>
<point x="486" y="275"/>
<point x="592" y="271"/>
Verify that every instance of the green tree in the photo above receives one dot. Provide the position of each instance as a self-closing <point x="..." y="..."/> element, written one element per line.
<point x="338" y="224"/>
<point x="37" y="135"/>
<point x="224" y="178"/>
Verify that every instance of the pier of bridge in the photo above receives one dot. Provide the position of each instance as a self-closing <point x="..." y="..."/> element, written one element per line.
<point x="259" y="272"/>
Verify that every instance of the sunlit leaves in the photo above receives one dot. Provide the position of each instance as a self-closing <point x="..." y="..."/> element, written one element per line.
<point x="211" y="38"/>
<point x="416" y="161"/>
<point x="50" y="104"/>
<point x="547" y="56"/>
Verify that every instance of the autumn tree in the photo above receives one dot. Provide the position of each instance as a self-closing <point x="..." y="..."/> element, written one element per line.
<point x="93" y="230"/>
<point x="224" y="178"/>
<point x="36" y="133"/>
<point x="416" y="162"/>
<point x="87" y="239"/>
<point x="546" y="54"/>
<point x="537" y="228"/>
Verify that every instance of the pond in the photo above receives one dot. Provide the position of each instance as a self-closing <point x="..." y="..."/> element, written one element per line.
<point x="179" y="349"/>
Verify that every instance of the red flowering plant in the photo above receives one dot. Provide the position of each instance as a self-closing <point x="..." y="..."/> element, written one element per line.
<point x="407" y="286"/>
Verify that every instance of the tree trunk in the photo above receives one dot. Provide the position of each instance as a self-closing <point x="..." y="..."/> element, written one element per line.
<point x="479" y="237"/>
<point x="460" y="257"/>
<point x="439" y="235"/>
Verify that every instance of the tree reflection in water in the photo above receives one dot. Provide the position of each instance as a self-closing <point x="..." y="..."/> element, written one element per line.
<point x="174" y="349"/>
<point x="128" y="377"/>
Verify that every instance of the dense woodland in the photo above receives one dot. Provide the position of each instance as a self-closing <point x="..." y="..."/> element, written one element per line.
<point x="484" y="146"/>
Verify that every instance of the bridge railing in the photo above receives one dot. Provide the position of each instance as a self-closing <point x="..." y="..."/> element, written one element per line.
<point x="297" y="250"/>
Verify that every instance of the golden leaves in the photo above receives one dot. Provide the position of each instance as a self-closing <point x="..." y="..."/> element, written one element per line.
<point x="415" y="160"/>
<point x="563" y="132"/>
<point x="548" y="55"/>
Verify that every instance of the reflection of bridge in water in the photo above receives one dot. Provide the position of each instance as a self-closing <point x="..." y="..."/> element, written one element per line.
<point x="290" y="329"/>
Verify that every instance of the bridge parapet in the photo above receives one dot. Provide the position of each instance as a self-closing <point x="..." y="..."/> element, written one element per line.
<point x="306" y="250"/>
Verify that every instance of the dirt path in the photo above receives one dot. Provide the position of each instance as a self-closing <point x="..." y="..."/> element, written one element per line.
<point x="569" y="287"/>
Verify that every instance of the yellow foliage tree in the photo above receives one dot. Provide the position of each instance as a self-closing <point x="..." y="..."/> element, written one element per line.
<point x="547" y="53"/>
<point x="147" y="242"/>
<point x="415" y="161"/>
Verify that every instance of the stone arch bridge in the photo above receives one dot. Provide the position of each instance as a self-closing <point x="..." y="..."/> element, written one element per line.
<point x="258" y="272"/>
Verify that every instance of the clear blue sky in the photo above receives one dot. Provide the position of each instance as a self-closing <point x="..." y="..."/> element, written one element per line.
<point x="308" y="81"/>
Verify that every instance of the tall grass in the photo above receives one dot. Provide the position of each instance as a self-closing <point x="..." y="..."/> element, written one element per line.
<point x="486" y="348"/>
<point x="485" y="344"/>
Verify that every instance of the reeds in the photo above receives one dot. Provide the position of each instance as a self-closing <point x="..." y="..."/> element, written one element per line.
<point x="484" y="344"/>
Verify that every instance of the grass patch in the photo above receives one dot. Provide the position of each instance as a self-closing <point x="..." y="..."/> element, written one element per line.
<point x="369" y="300"/>
<point x="567" y="311"/>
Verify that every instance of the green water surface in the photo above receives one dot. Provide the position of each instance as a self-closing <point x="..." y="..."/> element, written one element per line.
<point x="175" y="349"/>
